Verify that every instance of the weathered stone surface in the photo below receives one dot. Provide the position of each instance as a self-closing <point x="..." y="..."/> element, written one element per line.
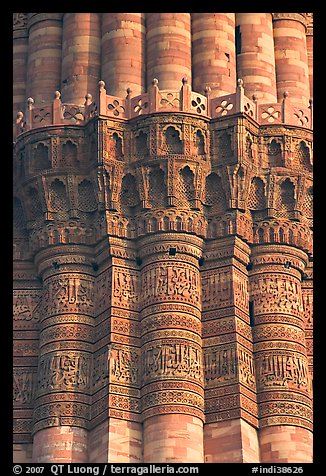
<point x="162" y="238"/>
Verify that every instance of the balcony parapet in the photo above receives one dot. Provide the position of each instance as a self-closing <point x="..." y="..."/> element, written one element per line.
<point x="157" y="101"/>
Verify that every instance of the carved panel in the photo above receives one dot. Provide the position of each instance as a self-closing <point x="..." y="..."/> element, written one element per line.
<point x="171" y="360"/>
<point x="224" y="365"/>
<point x="220" y="365"/>
<point x="68" y="293"/>
<point x="103" y="291"/>
<point x="26" y="308"/>
<point x="285" y="370"/>
<point x="125" y="288"/>
<point x="170" y="282"/>
<point x="124" y="365"/>
<point x="100" y="370"/>
<point x="24" y="386"/>
<point x="274" y="293"/>
<point x="64" y="371"/>
<point x="217" y="288"/>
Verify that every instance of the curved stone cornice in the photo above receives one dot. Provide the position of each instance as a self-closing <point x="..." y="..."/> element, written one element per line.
<point x="19" y="25"/>
<point x="37" y="17"/>
<point x="310" y="23"/>
<point x="300" y="17"/>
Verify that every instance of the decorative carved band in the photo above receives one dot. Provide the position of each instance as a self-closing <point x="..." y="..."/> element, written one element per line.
<point x="282" y="370"/>
<point x="301" y="17"/>
<point x="166" y="282"/>
<point x="64" y="371"/>
<point x="175" y="360"/>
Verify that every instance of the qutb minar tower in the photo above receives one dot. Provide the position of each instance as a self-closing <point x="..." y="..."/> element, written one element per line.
<point x="162" y="237"/>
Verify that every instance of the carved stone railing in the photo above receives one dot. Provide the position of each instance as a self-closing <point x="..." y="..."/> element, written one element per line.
<point x="157" y="101"/>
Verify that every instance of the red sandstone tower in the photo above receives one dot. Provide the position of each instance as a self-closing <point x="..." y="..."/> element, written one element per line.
<point x="162" y="237"/>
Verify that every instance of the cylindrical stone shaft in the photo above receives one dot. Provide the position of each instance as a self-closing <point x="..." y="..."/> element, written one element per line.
<point x="44" y="56"/>
<point x="283" y="380"/>
<point x="123" y="53"/>
<point x="168" y="44"/>
<point x="213" y="52"/>
<point x="172" y="377"/>
<point x="255" y="55"/>
<point x="291" y="61"/>
<point x="81" y="45"/>
<point x="20" y="53"/>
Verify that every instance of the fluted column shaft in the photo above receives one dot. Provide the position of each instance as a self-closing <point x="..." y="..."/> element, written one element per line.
<point x="123" y="53"/>
<point x="172" y="379"/>
<point x="62" y="405"/>
<point x="168" y="42"/>
<point x="255" y="55"/>
<point x="283" y="382"/>
<point x="20" y="54"/>
<point x="213" y="52"/>
<point x="310" y="53"/>
<point x="291" y="61"/>
<point x="230" y="387"/>
<point x="44" y="55"/>
<point x="81" y="55"/>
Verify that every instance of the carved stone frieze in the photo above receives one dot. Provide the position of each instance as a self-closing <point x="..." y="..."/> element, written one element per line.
<point x="68" y="293"/>
<point x="64" y="371"/>
<point x="284" y="370"/>
<point x="26" y="308"/>
<point x="171" y="360"/>
<point x="124" y="365"/>
<point x="179" y="282"/>
<point x="25" y="384"/>
<point x="275" y="293"/>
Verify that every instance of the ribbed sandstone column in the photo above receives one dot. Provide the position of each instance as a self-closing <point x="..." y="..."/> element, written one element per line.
<point x="44" y="55"/>
<point x="213" y="52"/>
<point x="81" y="51"/>
<point x="231" y="420"/>
<point x="255" y="55"/>
<point x="310" y="50"/>
<point x="123" y="53"/>
<point x="168" y="41"/>
<point x="62" y="406"/>
<point x="291" y="61"/>
<point x="283" y="381"/>
<point x="19" y="52"/>
<point x="172" y="378"/>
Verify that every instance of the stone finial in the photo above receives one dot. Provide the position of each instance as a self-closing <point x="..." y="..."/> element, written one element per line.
<point x="102" y="104"/>
<point x="254" y="97"/>
<point x="285" y="94"/>
<point x="184" y="80"/>
<point x="30" y="102"/>
<point x="155" y="82"/>
<point x="88" y="99"/>
<point x="20" y="116"/>
<point x="129" y="91"/>
<point x="57" y="95"/>
<point x="240" y="83"/>
<point x="310" y="102"/>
